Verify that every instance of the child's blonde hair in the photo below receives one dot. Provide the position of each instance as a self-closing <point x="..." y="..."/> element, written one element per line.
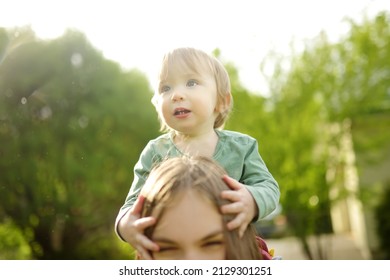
<point x="197" y="61"/>
<point x="175" y="176"/>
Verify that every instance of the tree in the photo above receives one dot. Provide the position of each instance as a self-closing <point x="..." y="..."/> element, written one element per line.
<point x="326" y="84"/>
<point x="70" y="134"/>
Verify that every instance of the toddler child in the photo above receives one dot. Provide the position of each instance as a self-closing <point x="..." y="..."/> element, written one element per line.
<point x="193" y="101"/>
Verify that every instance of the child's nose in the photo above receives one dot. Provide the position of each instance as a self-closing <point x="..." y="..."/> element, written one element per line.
<point x="177" y="95"/>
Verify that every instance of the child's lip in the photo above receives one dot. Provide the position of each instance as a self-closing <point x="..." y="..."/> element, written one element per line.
<point x="181" y="111"/>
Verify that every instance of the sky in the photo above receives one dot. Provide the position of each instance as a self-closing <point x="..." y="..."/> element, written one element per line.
<point x="136" y="33"/>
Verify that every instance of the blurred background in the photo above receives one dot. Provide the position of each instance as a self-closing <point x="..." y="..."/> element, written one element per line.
<point x="73" y="123"/>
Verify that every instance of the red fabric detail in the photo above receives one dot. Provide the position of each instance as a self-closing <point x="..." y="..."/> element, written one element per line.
<point x="263" y="248"/>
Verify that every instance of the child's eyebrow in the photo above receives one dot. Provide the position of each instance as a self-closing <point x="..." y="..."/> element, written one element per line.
<point x="186" y="75"/>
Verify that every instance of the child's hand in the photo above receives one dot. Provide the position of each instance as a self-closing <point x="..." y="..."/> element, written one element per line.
<point x="131" y="227"/>
<point x="243" y="204"/>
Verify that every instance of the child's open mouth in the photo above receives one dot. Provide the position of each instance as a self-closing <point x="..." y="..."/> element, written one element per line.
<point x="181" y="111"/>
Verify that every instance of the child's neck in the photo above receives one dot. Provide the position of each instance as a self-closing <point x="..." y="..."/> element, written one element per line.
<point x="197" y="145"/>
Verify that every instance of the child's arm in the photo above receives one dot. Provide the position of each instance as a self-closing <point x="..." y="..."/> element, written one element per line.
<point x="131" y="228"/>
<point x="243" y="204"/>
<point x="241" y="159"/>
<point x="128" y="225"/>
<point x="259" y="182"/>
<point x="141" y="172"/>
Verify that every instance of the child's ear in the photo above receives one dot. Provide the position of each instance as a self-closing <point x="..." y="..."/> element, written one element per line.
<point x="225" y="104"/>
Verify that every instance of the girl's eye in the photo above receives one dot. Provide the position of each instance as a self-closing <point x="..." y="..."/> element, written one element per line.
<point x="164" y="89"/>
<point x="192" y="83"/>
<point x="213" y="243"/>
<point x="166" y="249"/>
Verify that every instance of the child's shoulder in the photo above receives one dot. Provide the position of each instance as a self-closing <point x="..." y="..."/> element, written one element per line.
<point x="235" y="136"/>
<point x="160" y="143"/>
<point x="162" y="138"/>
<point x="157" y="148"/>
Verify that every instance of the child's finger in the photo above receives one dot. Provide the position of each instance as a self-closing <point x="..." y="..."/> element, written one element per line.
<point x="137" y="207"/>
<point x="143" y="253"/>
<point x="142" y="223"/>
<point x="146" y="243"/>
<point x="233" y="184"/>
<point x="242" y="230"/>
<point x="232" y="208"/>
<point x="235" y="223"/>
<point x="231" y="195"/>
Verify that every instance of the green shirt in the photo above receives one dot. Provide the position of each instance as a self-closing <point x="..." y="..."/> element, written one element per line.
<point x="237" y="153"/>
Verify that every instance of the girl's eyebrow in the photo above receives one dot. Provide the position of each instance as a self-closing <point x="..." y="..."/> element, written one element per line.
<point x="213" y="234"/>
<point x="164" y="240"/>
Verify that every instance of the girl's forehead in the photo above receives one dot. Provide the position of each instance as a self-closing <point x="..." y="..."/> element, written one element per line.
<point x="196" y="194"/>
<point x="184" y="200"/>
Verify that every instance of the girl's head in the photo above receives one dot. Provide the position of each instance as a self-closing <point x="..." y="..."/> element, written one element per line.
<point x="197" y="62"/>
<point x="184" y="195"/>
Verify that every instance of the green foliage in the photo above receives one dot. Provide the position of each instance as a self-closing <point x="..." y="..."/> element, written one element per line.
<point x="13" y="245"/>
<point x="104" y="245"/>
<point x="324" y="85"/>
<point x="70" y="134"/>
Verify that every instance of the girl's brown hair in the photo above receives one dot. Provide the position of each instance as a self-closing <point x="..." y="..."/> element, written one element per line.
<point x="176" y="175"/>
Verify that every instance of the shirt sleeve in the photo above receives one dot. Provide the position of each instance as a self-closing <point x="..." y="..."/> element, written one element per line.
<point x="141" y="172"/>
<point x="260" y="182"/>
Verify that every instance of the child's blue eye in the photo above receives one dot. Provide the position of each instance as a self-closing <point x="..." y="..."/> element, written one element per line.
<point x="192" y="83"/>
<point x="164" y="89"/>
